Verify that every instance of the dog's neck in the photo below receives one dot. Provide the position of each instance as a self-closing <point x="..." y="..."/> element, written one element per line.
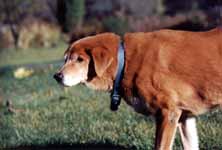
<point x="112" y="77"/>
<point x="97" y="83"/>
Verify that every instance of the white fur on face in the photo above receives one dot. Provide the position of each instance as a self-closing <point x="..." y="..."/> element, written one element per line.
<point x="74" y="79"/>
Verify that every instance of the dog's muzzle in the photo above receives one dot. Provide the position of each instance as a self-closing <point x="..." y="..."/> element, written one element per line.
<point x="58" y="77"/>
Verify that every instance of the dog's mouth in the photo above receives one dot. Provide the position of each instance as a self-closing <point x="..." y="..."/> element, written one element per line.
<point x="67" y="80"/>
<point x="59" y="78"/>
<point x="64" y="85"/>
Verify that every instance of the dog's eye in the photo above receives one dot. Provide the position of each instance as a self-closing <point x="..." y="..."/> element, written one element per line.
<point x="79" y="59"/>
<point x="66" y="58"/>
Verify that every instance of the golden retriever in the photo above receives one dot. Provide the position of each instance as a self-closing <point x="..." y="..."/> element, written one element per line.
<point x="172" y="75"/>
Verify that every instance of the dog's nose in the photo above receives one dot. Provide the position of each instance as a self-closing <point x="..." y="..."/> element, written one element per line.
<point x="58" y="77"/>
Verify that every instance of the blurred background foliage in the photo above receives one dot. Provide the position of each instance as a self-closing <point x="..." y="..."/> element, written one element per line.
<point x="42" y="23"/>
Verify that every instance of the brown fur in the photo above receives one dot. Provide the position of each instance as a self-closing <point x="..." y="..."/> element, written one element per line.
<point x="170" y="74"/>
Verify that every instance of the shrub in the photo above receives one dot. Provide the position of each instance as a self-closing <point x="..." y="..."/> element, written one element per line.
<point x="115" y="24"/>
<point x="74" y="13"/>
<point x="6" y="38"/>
<point x="38" y="33"/>
<point x="92" y="27"/>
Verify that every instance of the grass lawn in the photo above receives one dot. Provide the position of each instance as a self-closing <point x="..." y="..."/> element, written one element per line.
<point x="48" y="114"/>
<point x="32" y="55"/>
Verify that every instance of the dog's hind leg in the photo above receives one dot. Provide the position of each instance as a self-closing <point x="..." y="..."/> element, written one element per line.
<point x="188" y="133"/>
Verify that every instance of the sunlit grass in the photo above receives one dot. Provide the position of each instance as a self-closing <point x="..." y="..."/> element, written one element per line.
<point x="32" y="55"/>
<point x="52" y="115"/>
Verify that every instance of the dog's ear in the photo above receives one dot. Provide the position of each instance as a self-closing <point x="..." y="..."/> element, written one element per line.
<point x="102" y="59"/>
<point x="102" y="50"/>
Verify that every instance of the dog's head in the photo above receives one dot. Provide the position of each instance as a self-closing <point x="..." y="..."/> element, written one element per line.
<point x="89" y="58"/>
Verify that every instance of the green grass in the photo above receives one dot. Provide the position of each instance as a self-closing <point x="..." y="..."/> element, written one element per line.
<point x="55" y="115"/>
<point x="32" y="55"/>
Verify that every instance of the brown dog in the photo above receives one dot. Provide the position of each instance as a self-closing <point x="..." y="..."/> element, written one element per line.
<point x="173" y="75"/>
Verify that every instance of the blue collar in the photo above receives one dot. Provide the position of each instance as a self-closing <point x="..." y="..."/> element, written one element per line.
<point x="115" y="95"/>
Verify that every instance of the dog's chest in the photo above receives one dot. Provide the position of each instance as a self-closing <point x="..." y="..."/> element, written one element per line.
<point x="133" y="98"/>
<point x="138" y="104"/>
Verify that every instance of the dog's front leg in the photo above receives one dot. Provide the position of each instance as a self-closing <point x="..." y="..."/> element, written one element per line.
<point x="166" y="125"/>
<point x="188" y="133"/>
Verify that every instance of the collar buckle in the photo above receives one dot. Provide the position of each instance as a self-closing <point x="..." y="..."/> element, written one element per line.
<point x="115" y="102"/>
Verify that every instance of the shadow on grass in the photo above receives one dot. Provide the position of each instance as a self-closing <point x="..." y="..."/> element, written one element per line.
<point x="97" y="146"/>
